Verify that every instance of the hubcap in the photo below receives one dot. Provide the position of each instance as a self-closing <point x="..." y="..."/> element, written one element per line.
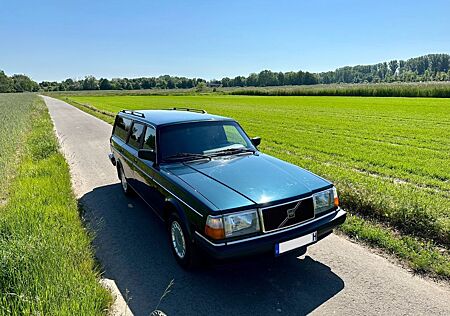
<point x="123" y="180"/>
<point x="178" y="241"/>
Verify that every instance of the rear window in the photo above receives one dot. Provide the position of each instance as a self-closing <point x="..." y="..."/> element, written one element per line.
<point x="122" y="127"/>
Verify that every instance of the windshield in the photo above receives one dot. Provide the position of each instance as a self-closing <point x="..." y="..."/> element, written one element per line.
<point x="202" y="138"/>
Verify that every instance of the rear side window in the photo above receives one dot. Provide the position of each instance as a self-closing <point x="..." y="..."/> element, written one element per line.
<point x="122" y="127"/>
<point x="136" y="135"/>
<point x="149" y="139"/>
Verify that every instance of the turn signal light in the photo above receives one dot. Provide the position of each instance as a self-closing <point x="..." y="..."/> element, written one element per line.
<point x="336" y="201"/>
<point x="214" y="227"/>
<point x="336" y="198"/>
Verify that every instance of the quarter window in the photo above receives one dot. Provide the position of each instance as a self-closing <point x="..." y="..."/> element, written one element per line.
<point x="136" y="135"/>
<point x="122" y="127"/>
<point x="149" y="139"/>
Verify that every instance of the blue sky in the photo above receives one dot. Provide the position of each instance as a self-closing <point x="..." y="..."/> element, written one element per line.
<point x="55" y="40"/>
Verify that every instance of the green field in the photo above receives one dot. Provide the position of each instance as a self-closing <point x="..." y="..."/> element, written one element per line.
<point x="13" y="125"/>
<point x="389" y="157"/>
<point x="401" y="89"/>
<point x="46" y="259"/>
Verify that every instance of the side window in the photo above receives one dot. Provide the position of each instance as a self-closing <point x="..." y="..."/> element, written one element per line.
<point x="149" y="139"/>
<point x="233" y="135"/>
<point x="122" y="127"/>
<point x="136" y="135"/>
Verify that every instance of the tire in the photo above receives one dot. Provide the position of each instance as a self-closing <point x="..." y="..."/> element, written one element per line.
<point x="183" y="249"/>
<point x="126" y="189"/>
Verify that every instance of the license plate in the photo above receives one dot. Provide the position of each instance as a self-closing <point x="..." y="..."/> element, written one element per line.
<point x="295" y="243"/>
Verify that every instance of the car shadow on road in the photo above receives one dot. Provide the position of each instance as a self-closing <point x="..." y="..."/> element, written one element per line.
<point x="131" y="244"/>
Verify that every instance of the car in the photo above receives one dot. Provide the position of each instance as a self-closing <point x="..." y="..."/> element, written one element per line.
<point x="217" y="193"/>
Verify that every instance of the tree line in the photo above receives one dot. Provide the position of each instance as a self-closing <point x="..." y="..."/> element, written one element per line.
<point x="432" y="67"/>
<point x="92" y="83"/>
<point x="16" y="83"/>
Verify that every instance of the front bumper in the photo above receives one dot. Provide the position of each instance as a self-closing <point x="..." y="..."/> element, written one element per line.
<point x="265" y="243"/>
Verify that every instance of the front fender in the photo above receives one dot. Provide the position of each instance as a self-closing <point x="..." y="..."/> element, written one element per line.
<point x="172" y="204"/>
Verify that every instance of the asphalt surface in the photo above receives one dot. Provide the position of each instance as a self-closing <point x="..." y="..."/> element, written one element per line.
<point x="335" y="276"/>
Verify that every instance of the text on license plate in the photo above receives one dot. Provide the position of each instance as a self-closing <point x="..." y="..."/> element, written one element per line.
<point x="295" y="243"/>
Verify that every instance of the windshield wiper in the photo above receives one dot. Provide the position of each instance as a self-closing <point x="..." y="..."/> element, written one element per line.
<point x="232" y="151"/>
<point x="186" y="156"/>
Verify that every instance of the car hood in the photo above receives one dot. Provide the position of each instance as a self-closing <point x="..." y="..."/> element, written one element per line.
<point x="238" y="181"/>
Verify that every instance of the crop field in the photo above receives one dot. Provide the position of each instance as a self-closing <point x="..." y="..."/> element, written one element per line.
<point x="401" y="89"/>
<point x="389" y="157"/>
<point x="46" y="260"/>
<point x="13" y="124"/>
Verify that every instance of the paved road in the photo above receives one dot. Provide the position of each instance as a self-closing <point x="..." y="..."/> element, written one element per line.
<point x="336" y="275"/>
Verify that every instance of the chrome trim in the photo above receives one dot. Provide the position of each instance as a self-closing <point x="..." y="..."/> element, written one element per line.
<point x="179" y="199"/>
<point x="289" y="202"/>
<point x="170" y="192"/>
<point x="277" y="205"/>
<point x="206" y="239"/>
<point x="337" y="213"/>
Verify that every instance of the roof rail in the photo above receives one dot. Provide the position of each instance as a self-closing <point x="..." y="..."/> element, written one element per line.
<point x="189" y="110"/>
<point x="133" y="113"/>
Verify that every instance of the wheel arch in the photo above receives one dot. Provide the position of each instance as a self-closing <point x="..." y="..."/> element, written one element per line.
<point x="171" y="205"/>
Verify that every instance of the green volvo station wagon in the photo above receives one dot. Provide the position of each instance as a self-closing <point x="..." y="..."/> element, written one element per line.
<point x="216" y="192"/>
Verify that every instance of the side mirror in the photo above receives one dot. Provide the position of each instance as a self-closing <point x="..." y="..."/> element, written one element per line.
<point x="256" y="141"/>
<point x="147" y="154"/>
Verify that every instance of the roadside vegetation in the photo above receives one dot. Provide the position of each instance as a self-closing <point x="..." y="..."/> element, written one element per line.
<point x="13" y="125"/>
<point x="416" y="90"/>
<point x="387" y="156"/>
<point x="46" y="259"/>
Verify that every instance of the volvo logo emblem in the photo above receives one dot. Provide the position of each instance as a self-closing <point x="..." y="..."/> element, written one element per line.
<point x="290" y="214"/>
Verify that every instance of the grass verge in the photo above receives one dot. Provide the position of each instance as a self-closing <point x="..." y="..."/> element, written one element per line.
<point x="103" y="115"/>
<point x="46" y="259"/>
<point x="381" y="216"/>
<point x="14" y="117"/>
<point x="419" y="255"/>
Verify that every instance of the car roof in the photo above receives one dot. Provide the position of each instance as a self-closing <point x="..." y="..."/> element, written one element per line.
<point x="168" y="117"/>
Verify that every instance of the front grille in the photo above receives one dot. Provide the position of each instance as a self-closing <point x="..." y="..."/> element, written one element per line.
<point x="285" y="215"/>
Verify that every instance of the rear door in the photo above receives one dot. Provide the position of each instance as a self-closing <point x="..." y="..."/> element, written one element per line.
<point x="134" y="143"/>
<point x="121" y="132"/>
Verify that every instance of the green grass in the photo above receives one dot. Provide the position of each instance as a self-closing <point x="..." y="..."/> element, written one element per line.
<point x="46" y="259"/>
<point x="13" y="124"/>
<point x="389" y="158"/>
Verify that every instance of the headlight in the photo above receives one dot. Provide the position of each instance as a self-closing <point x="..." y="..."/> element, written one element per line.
<point x="232" y="225"/>
<point x="241" y="223"/>
<point x="325" y="200"/>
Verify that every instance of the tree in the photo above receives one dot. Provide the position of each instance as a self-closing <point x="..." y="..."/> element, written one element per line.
<point x="393" y="65"/>
<point x="6" y="83"/>
<point x="201" y="86"/>
<point x="104" y="84"/>
<point x="252" y="80"/>
<point x="23" y="83"/>
<point x="90" y="83"/>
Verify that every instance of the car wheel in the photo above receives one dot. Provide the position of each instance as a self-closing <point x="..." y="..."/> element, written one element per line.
<point x="183" y="248"/>
<point x="124" y="182"/>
